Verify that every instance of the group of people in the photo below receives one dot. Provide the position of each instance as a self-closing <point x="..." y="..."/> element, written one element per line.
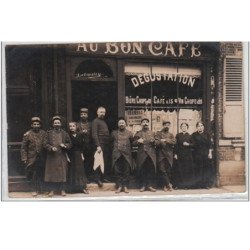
<point x="58" y="158"/>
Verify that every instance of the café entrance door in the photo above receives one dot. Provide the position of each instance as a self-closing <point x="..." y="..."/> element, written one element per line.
<point x="91" y="95"/>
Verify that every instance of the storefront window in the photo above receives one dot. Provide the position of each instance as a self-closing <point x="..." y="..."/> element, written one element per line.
<point x="161" y="92"/>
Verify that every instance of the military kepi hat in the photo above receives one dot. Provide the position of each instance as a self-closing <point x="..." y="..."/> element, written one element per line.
<point x="121" y="119"/>
<point x="84" y="110"/>
<point x="165" y="122"/>
<point x="35" y="119"/>
<point x="56" y="117"/>
<point x="144" y="118"/>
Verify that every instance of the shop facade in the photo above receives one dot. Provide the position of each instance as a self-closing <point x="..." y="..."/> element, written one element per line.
<point x="177" y="81"/>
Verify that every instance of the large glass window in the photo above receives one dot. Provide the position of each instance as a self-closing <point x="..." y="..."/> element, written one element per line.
<point x="163" y="92"/>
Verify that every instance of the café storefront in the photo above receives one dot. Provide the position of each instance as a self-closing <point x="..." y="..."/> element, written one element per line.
<point x="178" y="81"/>
<point x="160" y="80"/>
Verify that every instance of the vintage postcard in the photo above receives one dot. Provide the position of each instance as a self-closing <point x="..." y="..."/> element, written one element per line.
<point x="124" y="121"/>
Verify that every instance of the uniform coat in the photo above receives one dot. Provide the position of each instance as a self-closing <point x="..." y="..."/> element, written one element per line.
<point x="122" y="141"/>
<point x="56" y="162"/>
<point x="33" y="154"/>
<point x="146" y="149"/>
<point x="32" y="146"/>
<point x="86" y="136"/>
<point x="165" y="149"/>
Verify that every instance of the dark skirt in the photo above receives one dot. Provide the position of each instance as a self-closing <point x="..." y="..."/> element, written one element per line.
<point x="185" y="167"/>
<point x="203" y="170"/>
<point x="77" y="176"/>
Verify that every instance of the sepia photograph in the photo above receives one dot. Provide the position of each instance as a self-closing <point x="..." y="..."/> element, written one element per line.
<point x="163" y="121"/>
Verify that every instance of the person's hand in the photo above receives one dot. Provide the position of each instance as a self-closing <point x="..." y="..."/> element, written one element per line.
<point x="54" y="149"/>
<point x="85" y="131"/>
<point x="99" y="149"/>
<point x="163" y="140"/>
<point x="210" y="155"/>
<point x="140" y="140"/>
<point x="62" y="145"/>
<point x="185" y="143"/>
<point x="25" y="162"/>
<point x="176" y="157"/>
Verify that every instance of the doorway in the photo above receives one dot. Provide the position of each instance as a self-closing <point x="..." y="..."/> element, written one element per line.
<point x="91" y="95"/>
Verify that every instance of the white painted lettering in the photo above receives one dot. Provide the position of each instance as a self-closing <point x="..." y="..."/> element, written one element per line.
<point x="135" y="82"/>
<point x="125" y="47"/>
<point x="170" y="48"/>
<point x="137" y="48"/>
<point x="82" y="47"/>
<point x="182" y="47"/>
<point x="195" y="50"/>
<point x="153" y="48"/>
<point x="111" y="48"/>
<point x="93" y="47"/>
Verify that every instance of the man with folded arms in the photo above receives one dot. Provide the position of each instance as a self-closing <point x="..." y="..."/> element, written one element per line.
<point x="146" y="155"/>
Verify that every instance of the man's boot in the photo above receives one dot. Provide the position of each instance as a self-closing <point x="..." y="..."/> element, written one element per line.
<point x="119" y="189"/>
<point x="125" y="190"/>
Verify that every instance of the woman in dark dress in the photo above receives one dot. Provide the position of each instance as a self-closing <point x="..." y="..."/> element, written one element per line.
<point x="202" y="156"/>
<point x="78" y="180"/>
<point x="183" y="155"/>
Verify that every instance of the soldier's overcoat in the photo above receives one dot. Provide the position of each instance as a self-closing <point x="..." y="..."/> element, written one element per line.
<point x="32" y="146"/>
<point x="56" y="162"/>
<point x="165" y="149"/>
<point x="122" y="141"/>
<point x="146" y="149"/>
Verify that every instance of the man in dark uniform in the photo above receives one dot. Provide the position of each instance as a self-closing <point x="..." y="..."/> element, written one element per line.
<point x="58" y="141"/>
<point x="121" y="155"/>
<point x="84" y="128"/>
<point x="165" y="142"/>
<point x="101" y="141"/>
<point x="33" y="155"/>
<point x="146" y="156"/>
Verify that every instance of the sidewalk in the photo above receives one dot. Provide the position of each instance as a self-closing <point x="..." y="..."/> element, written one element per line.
<point x="226" y="193"/>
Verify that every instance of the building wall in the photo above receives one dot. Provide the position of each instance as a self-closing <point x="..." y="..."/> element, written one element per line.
<point x="231" y="150"/>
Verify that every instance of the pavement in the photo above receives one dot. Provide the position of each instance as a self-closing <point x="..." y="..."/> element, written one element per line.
<point x="107" y="193"/>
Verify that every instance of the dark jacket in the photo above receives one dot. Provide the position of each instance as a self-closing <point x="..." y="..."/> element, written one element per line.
<point x="56" y="162"/>
<point x="201" y="144"/>
<point x="145" y="149"/>
<point x="32" y="146"/>
<point x="100" y="132"/>
<point x="87" y="137"/>
<point x="122" y="141"/>
<point x="165" y="149"/>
